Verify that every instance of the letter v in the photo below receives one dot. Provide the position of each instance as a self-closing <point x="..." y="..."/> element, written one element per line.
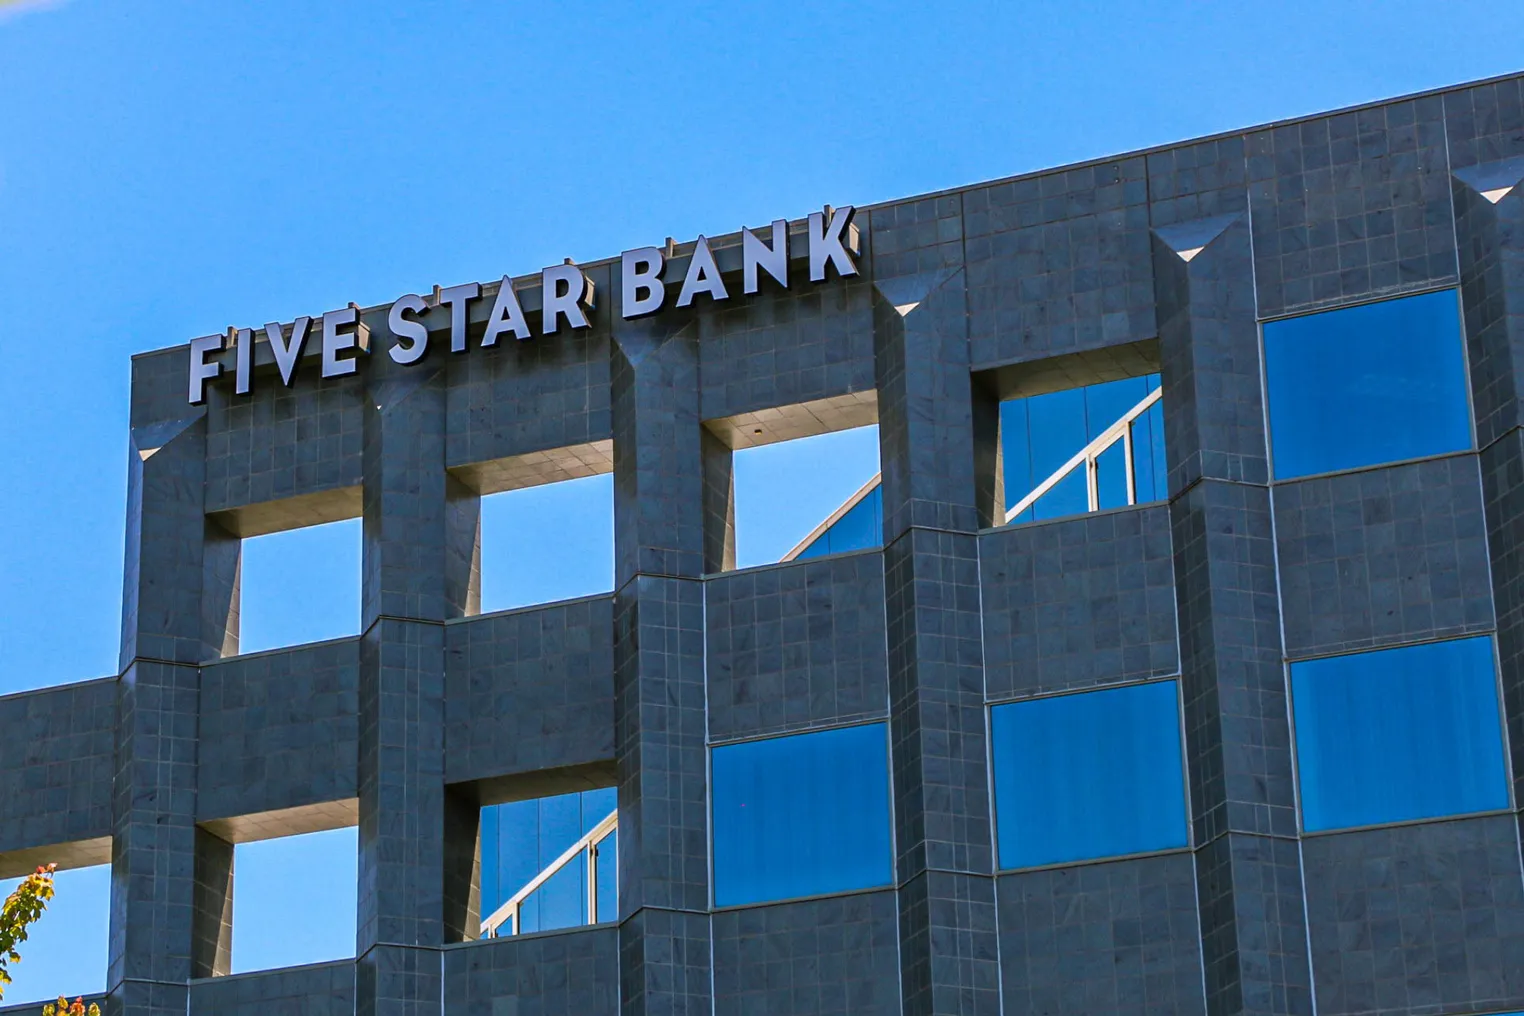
<point x="287" y="353"/>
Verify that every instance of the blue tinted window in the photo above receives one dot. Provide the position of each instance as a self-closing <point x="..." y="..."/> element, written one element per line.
<point x="1091" y="775"/>
<point x="521" y="839"/>
<point x="861" y="527"/>
<point x="1366" y="385"/>
<point x="1040" y="433"/>
<point x="1398" y="734"/>
<point x="801" y="815"/>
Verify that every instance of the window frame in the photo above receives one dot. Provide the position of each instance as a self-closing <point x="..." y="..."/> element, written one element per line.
<point x="1082" y="469"/>
<point x="894" y="848"/>
<point x="1510" y="808"/>
<point x="1180" y="737"/>
<point x="1264" y="384"/>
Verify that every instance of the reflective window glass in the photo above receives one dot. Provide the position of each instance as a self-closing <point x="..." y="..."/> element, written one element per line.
<point x="1040" y="434"/>
<point x="801" y="815"/>
<point x="521" y="839"/>
<point x="1097" y="774"/>
<point x="785" y="490"/>
<point x="1398" y="734"/>
<point x="860" y="527"/>
<point x="1366" y="385"/>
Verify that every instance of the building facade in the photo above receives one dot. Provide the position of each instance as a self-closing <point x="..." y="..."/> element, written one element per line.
<point x="1244" y="738"/>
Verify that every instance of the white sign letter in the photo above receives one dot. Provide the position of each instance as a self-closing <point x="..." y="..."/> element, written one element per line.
<point x="200" y="371"/>
<point x="335" y="343"/>
<point x="288" y="352"/>
<point x="640" y="269"/>
<point x="565" y="290"/>
<point x="836" y="243"/>
<point x="703" y="276"/>
<point x="507" y="316"/>
<point x="457" y="297"/>
<point x="244" y="361"/>
<point x="412" y="337"/>
<point x="771" y="258"/>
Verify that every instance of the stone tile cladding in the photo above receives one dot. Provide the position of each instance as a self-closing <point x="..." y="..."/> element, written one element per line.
<point x="1078" y="603"/>
<point x="278" y="730"/>
<point x="1383" y="556"/>
<point x="830" y="957"/>
<point x="1178" y="253"/>
<point x="1417" y="919"/>
<point x="529" y="690"/>
<point x="325" y="989"/>
<point x="57" y="759"/>
<point x="569" y="974"/>
<point x="1119" y="937"/>
<point x="300" y="440"/>
<point x="797" y="646"/>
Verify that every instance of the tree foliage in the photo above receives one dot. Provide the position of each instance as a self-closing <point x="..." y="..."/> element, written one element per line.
<point x="63" y="1008"/>
<point x="22" y="907"/>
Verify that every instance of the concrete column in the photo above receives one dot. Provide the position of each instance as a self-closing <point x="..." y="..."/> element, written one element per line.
<point x="176" y="581"/>
<point x="945" y="863"/>
<point x="212" y="947"/>
<point x="659" y="501"/>
<point x="1237" y="731"/>
<point x="416" y="843"/>
<point x="1489" y="222"/>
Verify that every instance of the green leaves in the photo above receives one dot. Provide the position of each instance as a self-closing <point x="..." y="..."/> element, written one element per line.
<point x="22" y="907"/>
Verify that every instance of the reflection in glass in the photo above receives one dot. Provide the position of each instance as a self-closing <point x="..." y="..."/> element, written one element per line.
<point x="1090" y="775"/>
<point x="1366" y="385"/>
<point x="1041" y="433"/>
<point x="1398" y="734"/>
<point x="1111" y="478"/>
<point x="862" y="526"/>
<point x="801" y="815"/>
<point x="519" y="840"/>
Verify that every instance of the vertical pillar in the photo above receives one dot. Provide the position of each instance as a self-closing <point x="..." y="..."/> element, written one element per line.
<point x="174" y="578"/>
<point x="719" y="504"/>
<point x="1489" y="222"/>
<point x="212" y="948"/>
<point x="1238" y="737"/>
<point x="412" y="867"/>
<point x="659" y="504"/>
<point x="945" y="863"/>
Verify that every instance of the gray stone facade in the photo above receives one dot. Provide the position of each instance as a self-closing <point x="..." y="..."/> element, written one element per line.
<point x="1165" y="261"/>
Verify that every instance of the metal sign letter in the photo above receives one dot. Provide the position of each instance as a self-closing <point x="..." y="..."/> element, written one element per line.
<point x="507" y="316"/>
<point x="640" y="270"/>
<point x="565" y="291"/>
<point x="412" y="337"/>
<point x="703" y="276"/>
<point x="836" y="243"/>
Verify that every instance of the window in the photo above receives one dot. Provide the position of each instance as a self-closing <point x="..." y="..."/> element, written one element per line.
<point x="548" y="542"/>
<point x="521" y="841"/>
<point x="1041" y="434"/>
<point x="787" y="494"/>
<point x="856" y="525"/>
<point x="1366" y="385"/>
<point x="802" y="815"/>
<point x="300" y="586"/>
<point x="1398" y="734"/>
<point x="276" y="927"/>
<point x="1092" y="775"/>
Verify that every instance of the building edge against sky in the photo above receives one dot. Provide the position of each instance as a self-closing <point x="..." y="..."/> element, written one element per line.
<point x="1332" y="307"/>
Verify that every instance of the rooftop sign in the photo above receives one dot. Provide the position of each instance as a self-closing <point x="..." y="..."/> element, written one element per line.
<point x="567" y="298"/>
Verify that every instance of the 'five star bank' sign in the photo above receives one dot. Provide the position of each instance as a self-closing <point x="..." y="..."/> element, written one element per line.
<point x="567" y="296"/>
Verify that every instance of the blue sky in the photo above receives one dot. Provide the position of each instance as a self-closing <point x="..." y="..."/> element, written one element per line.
<point x="168" y="169"/>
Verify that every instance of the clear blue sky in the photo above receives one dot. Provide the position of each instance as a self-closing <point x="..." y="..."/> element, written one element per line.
<point x="170" y="168"/>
